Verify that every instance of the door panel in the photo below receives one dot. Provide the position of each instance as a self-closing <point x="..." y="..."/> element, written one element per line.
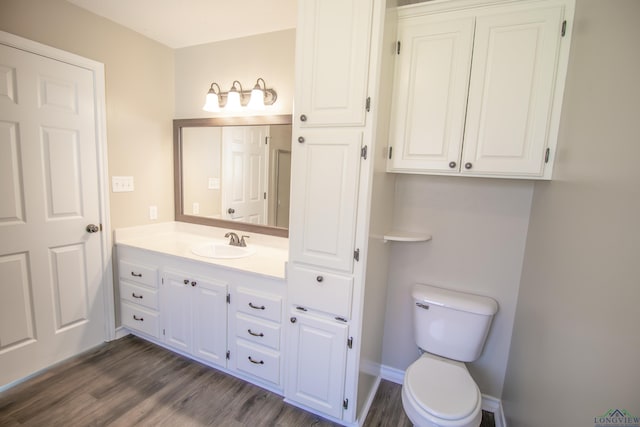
<point x="51" y="295"/>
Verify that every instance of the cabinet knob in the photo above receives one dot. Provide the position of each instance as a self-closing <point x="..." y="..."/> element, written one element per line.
<point x="301" y="139"/>
<point x="186" y="281"/>
<point x="303" y="118"/>
<point x="468" y="165"/>
<point x="92" y="228"/>
<point x="319" y="278"/>
<point x="452" y="165"/>
<point x="293" y="320"/>
<point x="194" y="283"/>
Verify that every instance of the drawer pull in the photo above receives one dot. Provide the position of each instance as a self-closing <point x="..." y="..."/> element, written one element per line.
<point x="134" y="274"/>
<point x="256" y="307"/>
<point x="139" y="319"/>
<point x="254" y="334"/>
<point x="133" y="294"/>
<point x="257" y="362"/>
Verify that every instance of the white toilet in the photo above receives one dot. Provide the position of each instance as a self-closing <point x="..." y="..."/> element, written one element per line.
<point x="451" y="328"/>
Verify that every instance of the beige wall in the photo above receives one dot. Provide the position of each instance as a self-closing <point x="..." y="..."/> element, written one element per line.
<point x="479" y="228"/>
<point x="139" y="96"/>
<point x="576" y="347"/>
<point x="270" y="56"/>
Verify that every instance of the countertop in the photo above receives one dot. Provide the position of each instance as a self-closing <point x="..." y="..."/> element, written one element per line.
<point x="177" y="239"/>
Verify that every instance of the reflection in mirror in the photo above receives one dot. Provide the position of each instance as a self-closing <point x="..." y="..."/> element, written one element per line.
<point x="234" y="169"/>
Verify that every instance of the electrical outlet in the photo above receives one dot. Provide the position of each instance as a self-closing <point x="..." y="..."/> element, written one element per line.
<point x="196" y="208"/>
<point x="153" y="212"/>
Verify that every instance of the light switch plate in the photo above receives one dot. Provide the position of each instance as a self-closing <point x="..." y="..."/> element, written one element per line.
<point x="153" y="212"/>
<point x="121" y="184"/>
<point x="214" y="184"/>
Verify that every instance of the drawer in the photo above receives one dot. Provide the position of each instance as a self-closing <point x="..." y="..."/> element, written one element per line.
<point x="258" y="331"/>
<point x="261" y="363"/>
<point x="258" y="304"/>
<point x="139" y="295"/>
<point x="140" y="319"/>
<point x="320" y="290"/>
<point x="142" y="274"/>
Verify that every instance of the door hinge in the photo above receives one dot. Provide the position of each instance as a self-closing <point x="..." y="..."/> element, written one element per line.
<point x="564" y="28"/>
<point x="390" y="152"/>
<point x="363" y="152"/>
<point x="356" y="254"/>
<point x="367" y="105"/>
<point x="350" y="342"/>
<point x="228" y="355"/>
<point x="546" y="155"/>
<point x="398" y="47"/>
<point x="228" y="298"/>
<point x="266" y="140"/>
<point x="265" y="195"/>
<point x="345" y="404"/>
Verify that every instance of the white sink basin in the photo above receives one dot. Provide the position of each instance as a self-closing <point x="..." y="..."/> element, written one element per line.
<point x="221" y="250"/>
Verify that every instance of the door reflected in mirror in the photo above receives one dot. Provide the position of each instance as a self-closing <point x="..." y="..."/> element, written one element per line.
<point x="234" y="170"/>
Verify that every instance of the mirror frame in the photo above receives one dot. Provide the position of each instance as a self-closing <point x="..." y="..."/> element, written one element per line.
<point x="178" y="124"/>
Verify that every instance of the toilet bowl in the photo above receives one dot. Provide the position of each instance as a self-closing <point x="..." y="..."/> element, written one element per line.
<point x="439" y="392"/>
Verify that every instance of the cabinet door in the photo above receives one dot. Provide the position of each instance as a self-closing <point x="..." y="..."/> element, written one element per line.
<point x="511" y="92"/>
<point x="332" y="51"/>
<point x="324" y="198"/>
<point x="209" y="309"/>
<point x="317" y="363"/>
<point x="431" y="83"/>
<point x="176" y="310"/>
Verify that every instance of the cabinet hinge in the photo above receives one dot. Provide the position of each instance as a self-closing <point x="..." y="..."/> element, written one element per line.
<point x="546" y="155"/>
<point x="390" y="152"/>
<point x="228" y="298"/>
<point x="228" y="355"/>
<point x="350" y="342"/>
<point x="340" y="319"/>
<point x="398" y="47"/>
<point x="345" y="404"/>
<point x="356" y="254"/>
<point x="163" y="332"/>
<point x="363" y="152"/>
<point x="367" y="105"/>
<point x="564" y="28"/>
<point x="265" y="195"/>
<point x="162" y="280"/>
<point x="266" y="140"/>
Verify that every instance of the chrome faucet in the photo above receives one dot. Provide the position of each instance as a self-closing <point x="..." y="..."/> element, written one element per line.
<point x="235" y="240"/>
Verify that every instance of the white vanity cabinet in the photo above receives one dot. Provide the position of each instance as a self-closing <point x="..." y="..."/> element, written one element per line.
<point x="194" y="315"/>
<point x="478" y="87"/>
<point x="332" y="62"/>
<point x="225" y="318"/>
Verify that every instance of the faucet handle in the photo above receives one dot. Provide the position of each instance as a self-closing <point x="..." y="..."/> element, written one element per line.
<point x="242" y="241"/>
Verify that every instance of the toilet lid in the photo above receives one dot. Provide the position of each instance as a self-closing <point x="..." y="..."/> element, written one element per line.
<point x="443" y="389"/>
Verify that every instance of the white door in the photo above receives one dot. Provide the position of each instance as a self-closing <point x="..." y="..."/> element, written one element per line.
<point x="209" y="308"/>
<point x="332" y="62"/>
<point x="51" y="298"/>
<point x="245" y="173"/>
<point x="176" y="310"/>
<point x="317" y="363"/>
<point x="324" y="197"/>
<point x="431" y="83"/>
<point x="511" y="92"/>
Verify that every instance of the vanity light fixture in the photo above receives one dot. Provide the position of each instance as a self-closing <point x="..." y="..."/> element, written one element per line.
<point x="236" y="97"/>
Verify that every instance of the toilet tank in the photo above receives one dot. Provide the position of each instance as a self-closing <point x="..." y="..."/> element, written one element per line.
<point x="449" y="323"/>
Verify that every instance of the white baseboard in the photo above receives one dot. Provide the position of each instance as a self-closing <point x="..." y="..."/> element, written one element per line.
<point x="489" y="403"/>
<point x="121" y="331"/>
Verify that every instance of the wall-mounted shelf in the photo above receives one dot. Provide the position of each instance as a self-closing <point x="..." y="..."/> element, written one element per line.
<point x="406" y="236"/>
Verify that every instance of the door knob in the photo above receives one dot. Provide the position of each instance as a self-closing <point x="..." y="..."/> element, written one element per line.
<point x="231" y="211"/>
<point x="303" y="118"/>
<point x="92" y="228"/>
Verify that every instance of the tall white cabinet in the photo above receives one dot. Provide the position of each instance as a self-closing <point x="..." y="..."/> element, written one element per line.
<point x="338" y="54"/>
<point x="478" y="87"/>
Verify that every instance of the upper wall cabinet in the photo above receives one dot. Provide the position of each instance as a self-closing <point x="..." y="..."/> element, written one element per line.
<point x="478" y="91"/>
<point x="332" y="62"/>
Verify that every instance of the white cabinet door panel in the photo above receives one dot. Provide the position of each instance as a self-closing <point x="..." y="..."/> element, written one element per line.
<point x="210" y="320"/>
<point x="511" y="92"/>
<point x="325" y="194"/>
<point x="317" y="363"/>
<point x="332" y="61"/>
<point x="176" y="311"/>
<point x="432" y="79"/>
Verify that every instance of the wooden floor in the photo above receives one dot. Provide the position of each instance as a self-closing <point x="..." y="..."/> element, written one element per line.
<point x="130" y="382"/>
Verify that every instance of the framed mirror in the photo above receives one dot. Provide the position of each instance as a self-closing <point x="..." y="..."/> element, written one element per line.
<point x="233" y="172"/>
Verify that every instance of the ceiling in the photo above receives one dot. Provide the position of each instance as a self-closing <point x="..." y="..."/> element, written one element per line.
<point x="182" y="23"/>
